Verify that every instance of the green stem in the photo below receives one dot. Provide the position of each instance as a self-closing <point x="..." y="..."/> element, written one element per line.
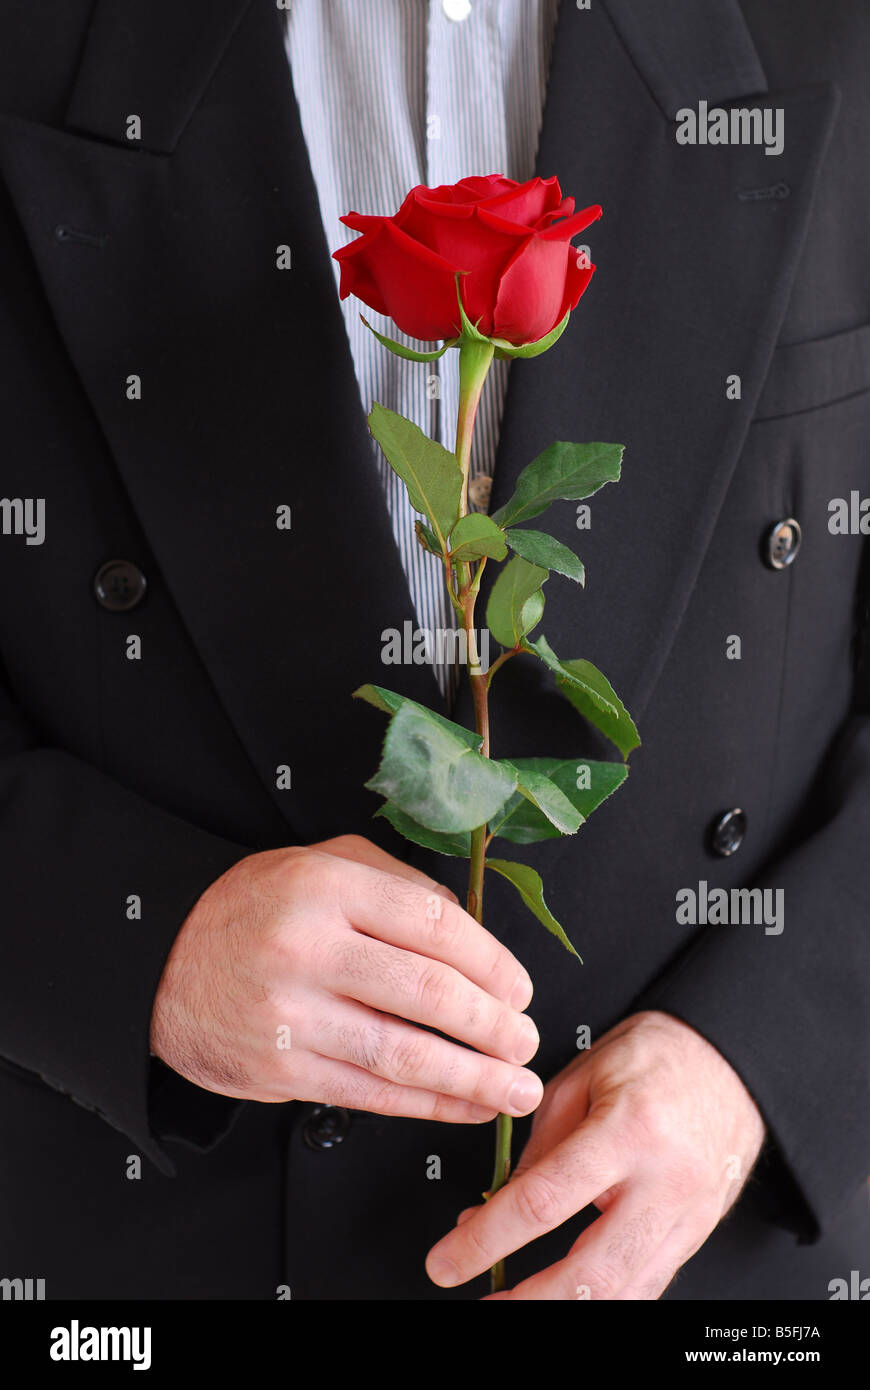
<point x="500" y="661"/>
<point x="503" y="1131"/>
<point x="475" y="360"/>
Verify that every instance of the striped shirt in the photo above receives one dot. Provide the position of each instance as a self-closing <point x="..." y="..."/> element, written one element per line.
<point x="394" y="93"/>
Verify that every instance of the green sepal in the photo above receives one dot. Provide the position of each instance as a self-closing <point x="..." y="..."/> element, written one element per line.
<point x="505" y="349"/>
<point x="411" y="354"/>
<point x="469" y="329"/>
<point x="531" y="889"/>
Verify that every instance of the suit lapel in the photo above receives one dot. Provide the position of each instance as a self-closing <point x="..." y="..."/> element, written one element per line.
<point x="249" y="400"/>
<point x="691" y="287"/>
<point x="152" y="61"/>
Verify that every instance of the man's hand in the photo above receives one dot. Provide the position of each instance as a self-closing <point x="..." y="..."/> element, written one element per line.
<point x="655" y="1128"/>
<point x="292" y="978"/>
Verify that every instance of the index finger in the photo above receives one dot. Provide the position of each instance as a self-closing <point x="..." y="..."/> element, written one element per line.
<point x="538" y="1200"/>
<point x="420" y="919"/>
<point x="363" y="851"/>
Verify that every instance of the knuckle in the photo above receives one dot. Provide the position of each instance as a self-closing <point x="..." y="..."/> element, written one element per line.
<point x="442" y="923"/>
<point x="501" y="1028"/>
<point x="443" y="891"/>
<point x="479" y="1243"/>
<point x="650" y="1119"/>
<point x="346" y="842"/>
<point x="364" y="1047"/>
<point x="408" y="1058"/>
<point x="314" y="954"/>
<point x="433" y="989"/>
<point x="442" y="1108"/>
<point x="350" y="956"/>
<point x="498" y="970"/>
<point x="397" y="895"/>
<point x="297" y="869"/>
<point x="474" y="1008"/>
<point x="345" y="1090"/>
<point x="537" y="1199"/>
<point x="380" y="1098"/>
<point x="295" y="861"/>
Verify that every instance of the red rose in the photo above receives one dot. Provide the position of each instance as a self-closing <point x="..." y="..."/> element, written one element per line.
<point x="521" y="275"/>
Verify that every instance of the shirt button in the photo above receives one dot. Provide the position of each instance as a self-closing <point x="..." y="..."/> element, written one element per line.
<point x="119" y="585"/>
<point x="726" y="833"/>
<point x="783" y="541"/>
<point x="325" y="1127"/>
<point x="456" y="9"/>
<point x="479" y="490"/>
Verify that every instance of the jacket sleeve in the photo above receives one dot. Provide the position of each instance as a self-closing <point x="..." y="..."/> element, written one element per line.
<point x="791" y="1013"/>
<point x="78" y="975"/>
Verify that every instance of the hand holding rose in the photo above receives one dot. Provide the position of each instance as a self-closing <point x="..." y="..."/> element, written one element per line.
<point x="655" y="1128"/>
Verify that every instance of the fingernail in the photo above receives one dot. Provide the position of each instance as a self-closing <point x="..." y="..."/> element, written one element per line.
<point x="528" y="1040"/>
<point x="522" y="995"/>
<point x="525" y="1096"/>
<point x="442" y="1271"/>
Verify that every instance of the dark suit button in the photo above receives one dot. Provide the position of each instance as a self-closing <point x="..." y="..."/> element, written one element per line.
<point x="726" y="834"/>
<point x="119" y="585"/>
<point x="325" y="1127"/>
<point x="782" y="543"/>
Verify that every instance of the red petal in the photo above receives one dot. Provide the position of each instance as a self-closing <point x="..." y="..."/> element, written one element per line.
<point x="472" y="240"/>
<point x="528" y="202"/>
<point x="565" y="208"/>
<point x="563" y="231"/>
<point x="479" y="186"/>
<point x="532" y="291"/>
<point x="403" y="279"/>
<point x="361" y="221"/>
<point x="576" y="280"/>
<point x="356" y="276"/>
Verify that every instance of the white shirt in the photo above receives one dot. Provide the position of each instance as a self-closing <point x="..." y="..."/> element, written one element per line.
<point x="394" y="93"/>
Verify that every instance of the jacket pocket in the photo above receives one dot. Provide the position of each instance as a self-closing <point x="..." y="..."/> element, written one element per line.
<point x="820" y="371"/>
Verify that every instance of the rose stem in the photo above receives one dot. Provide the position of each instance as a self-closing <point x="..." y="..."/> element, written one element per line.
<point x="475" y="360"/>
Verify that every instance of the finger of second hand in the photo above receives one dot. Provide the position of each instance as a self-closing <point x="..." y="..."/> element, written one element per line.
<point x="537" y="1201"/>
<point x="610" y="1254"/>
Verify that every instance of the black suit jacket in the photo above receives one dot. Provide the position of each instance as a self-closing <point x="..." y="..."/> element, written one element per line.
<point x="150" y="777"/>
